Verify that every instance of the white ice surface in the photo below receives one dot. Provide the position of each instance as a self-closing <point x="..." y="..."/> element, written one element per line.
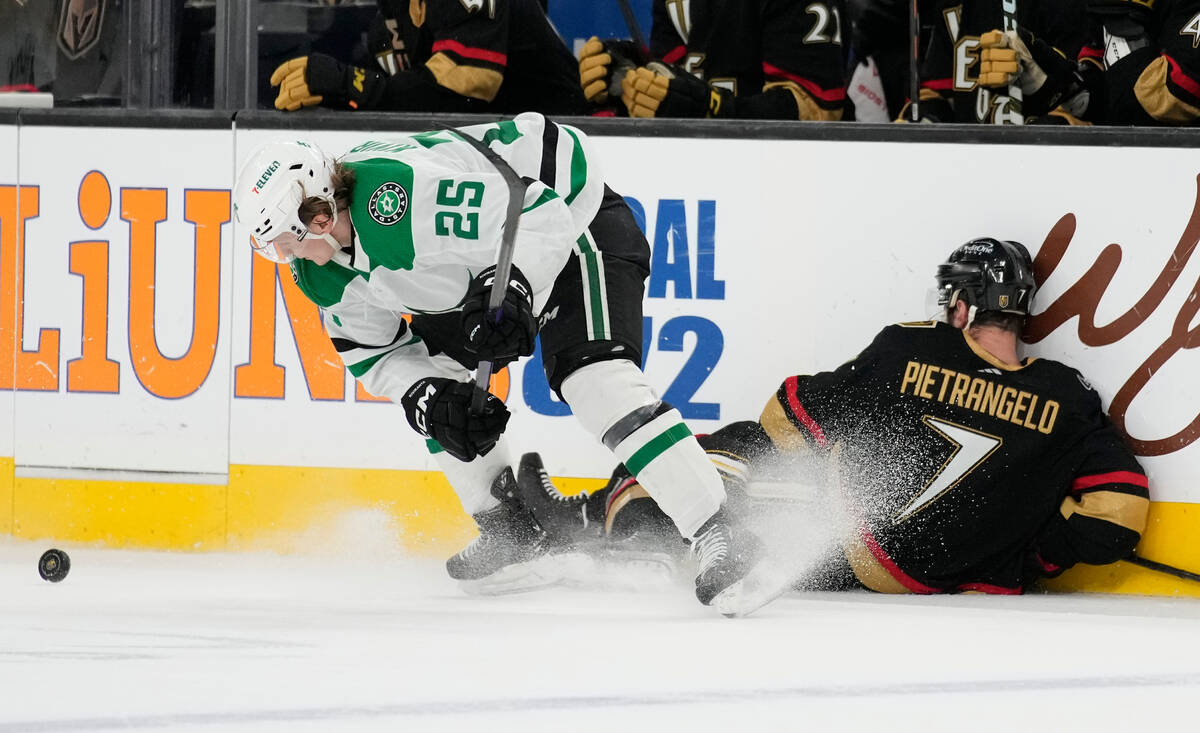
<point x="367" y="640"/>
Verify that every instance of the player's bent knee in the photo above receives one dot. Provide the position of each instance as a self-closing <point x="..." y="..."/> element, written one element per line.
<point x="603" y="393"/>
<point x="615" y="403"/>
<point x="564" y="364"/>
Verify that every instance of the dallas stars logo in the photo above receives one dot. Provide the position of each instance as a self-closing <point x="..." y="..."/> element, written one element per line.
<point x="388" y="204"/>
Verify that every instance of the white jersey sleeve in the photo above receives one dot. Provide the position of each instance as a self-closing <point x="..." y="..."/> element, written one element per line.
<point x="375" y="343"/>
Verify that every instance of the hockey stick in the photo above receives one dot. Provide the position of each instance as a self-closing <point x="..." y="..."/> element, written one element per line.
<point x="1163" y="568"/>
<point x="914" y="71"/>
<point x="1015" y="95"/>
<point x="635" y="30"/>
<point x="508" y="240"/>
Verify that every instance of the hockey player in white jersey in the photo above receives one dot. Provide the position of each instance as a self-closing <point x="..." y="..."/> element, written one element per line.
<point x="411" y="224"/>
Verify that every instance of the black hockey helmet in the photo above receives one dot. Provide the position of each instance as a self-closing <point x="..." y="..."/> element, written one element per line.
<point x="989" y="274"/>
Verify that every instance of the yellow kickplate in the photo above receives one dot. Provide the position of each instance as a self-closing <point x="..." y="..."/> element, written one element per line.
<point x="1169" y="538"/>
<point x="120" y="513"/>
<point x="6" y="496"/>
<point x="288" y="509"/>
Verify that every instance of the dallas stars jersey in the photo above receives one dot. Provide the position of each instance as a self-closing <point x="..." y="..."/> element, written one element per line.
<point x="752" y="46"/>
<point x="950" y="71"/>
<point x="961" y="470"/>
<point x="502" y="55"/>
<point x="428" y="211"/>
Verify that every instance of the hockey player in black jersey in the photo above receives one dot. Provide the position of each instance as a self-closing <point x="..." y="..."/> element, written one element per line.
<point x="963" y="467"/>
<point x="757" y="59"/>
<point x="1150" y="53"/>
<point x="1003" y="62"/>
<point x="444" y="56"/>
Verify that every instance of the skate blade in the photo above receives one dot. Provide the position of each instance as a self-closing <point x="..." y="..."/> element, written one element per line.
<point x="763" y="584"/>
<point x="619" y="571"/>
<point x="518" y="578"/>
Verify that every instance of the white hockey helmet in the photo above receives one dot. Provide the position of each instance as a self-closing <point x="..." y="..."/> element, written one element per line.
<point x="272" y="185"/>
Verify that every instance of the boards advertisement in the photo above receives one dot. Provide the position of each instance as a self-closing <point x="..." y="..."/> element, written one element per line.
<point x="150" y="344"/>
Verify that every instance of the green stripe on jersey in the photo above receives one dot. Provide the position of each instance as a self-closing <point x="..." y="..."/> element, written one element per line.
<point x="506" y="132"/>
<point x="578" y="168"/>
<point x="655" y="447"/>
<point x="360" y="368"/>
<point x="380" y="211"/>
<point x="547" y="195"/>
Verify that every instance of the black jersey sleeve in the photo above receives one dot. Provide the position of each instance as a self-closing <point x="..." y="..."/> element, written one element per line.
<point x="936" y="72"/>
<point x="463" y="70"/>
<point x="1103" y="515"/>
<point x="1160" y="84"/>
<point x="802" y="62"/>
<point x="470" y="45"/>
<point x="666" y="43"/>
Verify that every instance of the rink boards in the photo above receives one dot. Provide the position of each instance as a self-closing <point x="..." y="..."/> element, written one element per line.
<point x="170" y="390"/>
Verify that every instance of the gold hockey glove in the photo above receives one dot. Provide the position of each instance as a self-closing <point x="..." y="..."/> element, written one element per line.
<point x="320" y="79"/>
<point x="294" y="93"/>
<point x="1004" y="59"/>
<point x="664" y="90"/>
<point x="1046" y="77"/>
<point x="602" y="65"/>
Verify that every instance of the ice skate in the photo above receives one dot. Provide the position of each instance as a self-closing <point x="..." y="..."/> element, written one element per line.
<point x="563" y="517"/>
<point x="724" y="555"/>
<point x="504" y="557"/>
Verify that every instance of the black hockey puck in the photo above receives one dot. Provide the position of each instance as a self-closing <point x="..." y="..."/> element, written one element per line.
<point x="54" y="565"/>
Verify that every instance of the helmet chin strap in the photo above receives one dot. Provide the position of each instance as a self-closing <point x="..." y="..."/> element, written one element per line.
<point x="954" y="300"/>
<point x="340" y="256"/>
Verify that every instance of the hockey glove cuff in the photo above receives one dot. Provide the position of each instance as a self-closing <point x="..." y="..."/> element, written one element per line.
<point x="507" y="334"/>
<point x="664" y="90"/>
<point x="440" y="408"/>
<point x="323" y="80"/>
<point x="602" y="65"/>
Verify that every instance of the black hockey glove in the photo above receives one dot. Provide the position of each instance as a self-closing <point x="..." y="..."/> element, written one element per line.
<point x="440" y="408"/>
<point x="602" y="65"/>
<point x="1125" y="18"/>
<point x="323" y="80"/>
<point x="508" y="334"/>
<point x="664" y="90"/>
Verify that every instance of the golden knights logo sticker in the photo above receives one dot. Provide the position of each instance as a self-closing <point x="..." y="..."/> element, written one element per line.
<point x="388" y="204"/>
<point x="79" y="26"/>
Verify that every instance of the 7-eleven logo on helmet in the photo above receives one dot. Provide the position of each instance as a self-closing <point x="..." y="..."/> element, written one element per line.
<point x="266" y="176"/>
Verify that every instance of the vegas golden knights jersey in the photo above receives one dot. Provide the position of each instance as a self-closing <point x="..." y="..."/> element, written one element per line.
<point x="963" y="473"/>
<point x="1154" y="80"/>
<point x="752" y="46"/>
<point x="950" y="91"/>
<point x="496" y="55"/>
